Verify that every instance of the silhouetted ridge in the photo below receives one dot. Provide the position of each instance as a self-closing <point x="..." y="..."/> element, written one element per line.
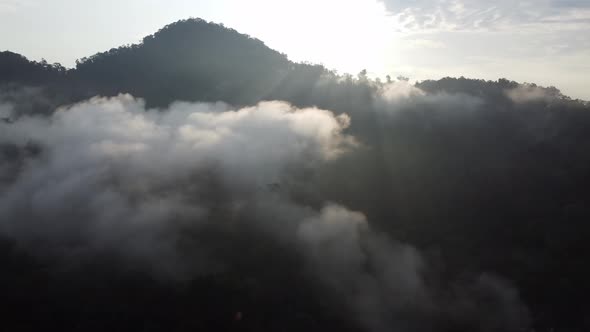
<point x="188" y="60"/>
<point x="15" y="68"/>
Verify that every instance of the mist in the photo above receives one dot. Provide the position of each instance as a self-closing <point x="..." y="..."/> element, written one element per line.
<point x="145" y="190"/>
<point x="164" y="191"/>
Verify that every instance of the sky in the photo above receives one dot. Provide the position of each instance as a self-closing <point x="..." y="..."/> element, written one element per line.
<point x="541" y="41"/>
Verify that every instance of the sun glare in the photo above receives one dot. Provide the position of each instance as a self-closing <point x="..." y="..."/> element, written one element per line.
<point x="347" y="36"/>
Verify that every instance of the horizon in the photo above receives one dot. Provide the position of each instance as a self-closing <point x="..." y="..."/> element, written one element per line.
<point x="427" y="40"/>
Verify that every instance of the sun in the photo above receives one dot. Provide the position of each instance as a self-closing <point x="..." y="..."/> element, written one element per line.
<point x="347" y="36"/>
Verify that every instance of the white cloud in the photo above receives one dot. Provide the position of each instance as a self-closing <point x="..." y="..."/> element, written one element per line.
<point x="527" y="93"/>
<point x="483" y="15"/>
<point x="113" y="176"/>
<point x="11" y="6"/>
<point x="375" y="275"/>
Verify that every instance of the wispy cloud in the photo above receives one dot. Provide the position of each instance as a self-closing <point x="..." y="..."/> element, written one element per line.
<point x="10" y="6"/>
<point x="542" y="41"/>
<point x="485" y="15"/>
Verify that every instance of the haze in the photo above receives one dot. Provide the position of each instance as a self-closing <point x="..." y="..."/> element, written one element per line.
<point x="545" y="41"/>
<point x="353" y="166"/>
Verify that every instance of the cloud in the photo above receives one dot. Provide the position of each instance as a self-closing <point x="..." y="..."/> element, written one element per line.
<point x="6" y="111"/>
<point x="470" y="15"/>
<point x="111" y="176"/>
<point x="11" y="6"/>
<point x="27" y="99"/>
<point x="529" y="93"/>
<point x="384" y="281"/>
<point x="190" y="190"/>
<point x="400" y="90"/>
<point x="402" y="95"/>
<point x="373" y="274"/>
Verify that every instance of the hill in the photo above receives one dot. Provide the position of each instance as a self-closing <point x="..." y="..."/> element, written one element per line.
<point x="486" y="181"/>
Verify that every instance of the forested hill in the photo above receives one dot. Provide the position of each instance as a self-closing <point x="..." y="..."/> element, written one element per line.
<point x="194" y="60"/>
<point x="191" y="60"/>
<point x="186" y="60"/>
<point x="487" y="181"/>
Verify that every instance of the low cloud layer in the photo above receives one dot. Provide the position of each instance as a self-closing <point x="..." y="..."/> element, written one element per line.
<point x="107" y="174"/>
<point x="375" y="276"/>
<point x="187" y="191"/>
